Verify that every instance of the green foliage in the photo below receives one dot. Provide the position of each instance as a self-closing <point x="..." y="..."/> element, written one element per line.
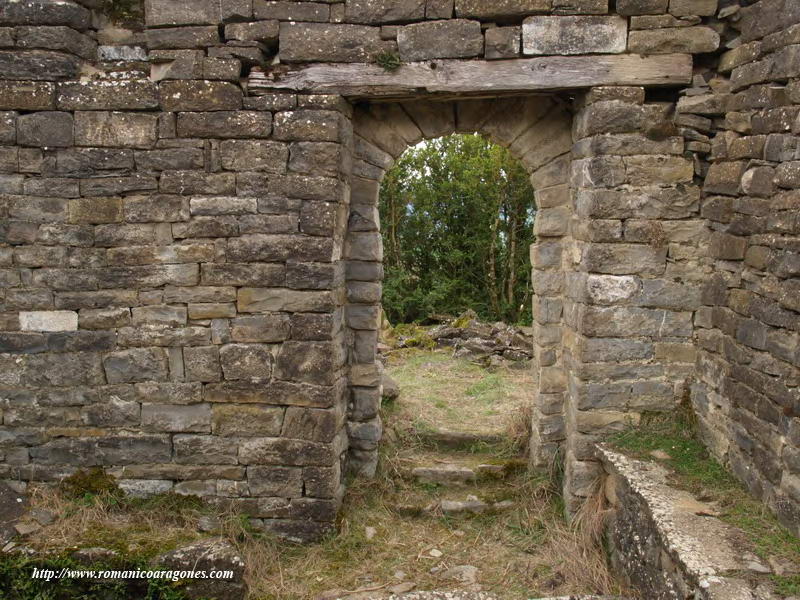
<point x="129" y="13"/>
<point x="698" y="472"/>
<point x="389" y="61"/>
<point x="457" y="218"/>
<point x="16" y="582"/>
<point x="85" y="485"/>
<point x="414" y="336"/>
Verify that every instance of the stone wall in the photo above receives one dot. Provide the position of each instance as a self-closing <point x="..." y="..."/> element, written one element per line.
<point x="748" y="367"/>
<point x="190" y="257"/>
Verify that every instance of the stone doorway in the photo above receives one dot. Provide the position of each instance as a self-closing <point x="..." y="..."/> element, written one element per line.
<point x="537" y="131"/>
<point x="615" y="262"/>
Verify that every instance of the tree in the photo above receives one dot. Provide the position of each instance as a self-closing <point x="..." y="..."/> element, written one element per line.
<point x="457" y="218"/>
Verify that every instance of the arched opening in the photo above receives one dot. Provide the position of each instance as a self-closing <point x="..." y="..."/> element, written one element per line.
<point x="457" y="216"/>
<point x="536" y="130"/>
<point x="449" y="474"/>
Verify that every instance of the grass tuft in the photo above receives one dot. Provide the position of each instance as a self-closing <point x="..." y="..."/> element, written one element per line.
<point x="389" y="61"/>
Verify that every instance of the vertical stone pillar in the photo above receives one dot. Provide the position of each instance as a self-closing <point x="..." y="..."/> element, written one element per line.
<point x="630" y="284"/>
<point x="552" y="220"/>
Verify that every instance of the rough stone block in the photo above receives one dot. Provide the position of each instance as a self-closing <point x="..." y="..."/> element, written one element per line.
<point x="27" y="95"/>
<point x="201" y="363"/>
<point x="624" y="259"/>
<point x="308" y="362"/>
<point x="155" y="208"/>
<point x="260" y="328"/>
<point x="129" y="94"/>
<point x="170" y="159"/>
<point x="501" y="9"/>
<point x="456" y="38"/>
<point x="308" y="125"/>
<point x="200" y="96"/>
<point x="687" y="40"/>
<point x="307" y="12"/>
<point x="138" y="364"/>
<point x="283" y="482"/>
<point x="702" y="8"/>
<point x="204" y="450"/>
<point x="182" y="37"/>
<point x="222" y="205"/>
<point x="283" y="300"/>
<point x="252" y="155"/>
<point x="167" y="12"/>
<point x="195" y="182"/>
<point x="95" y="210"/>
<point x="247" y="420"/>
<point x="384" y="11"/>
<point x="57" y="320"/>
<point x="225" y="124"/>
<point x="246" y="361"/>
<point x="309" y="42"/>
<point x="45" y="12"/>
<point x="193" y="418"/>
<point x="265" y="32"/>
<point x="60" y="38"/>
<point x="642" y="7"/>
<point x="115" y="129"/>
<point x="503" y="42"/>
<point x="51" y="129"/>
<point x="725" y="178"/>
<point x="38" y="65"/>
<point x="285" y="452"/>
<point x="574" y="35"/>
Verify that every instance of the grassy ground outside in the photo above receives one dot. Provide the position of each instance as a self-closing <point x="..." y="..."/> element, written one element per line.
<point x="440" y="392"/>
<point x="697" y="471"/>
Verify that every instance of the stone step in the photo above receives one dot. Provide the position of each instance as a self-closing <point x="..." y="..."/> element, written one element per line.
<point x="461" y="440"/>
<point x="454" y="473"/>
<point x="472" y="505"/>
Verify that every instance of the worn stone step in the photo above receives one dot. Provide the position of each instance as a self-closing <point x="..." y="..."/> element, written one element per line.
<point x="461" y="440"/>
<point x="454" y="473"/>
<point x="472" y="505"/>
<point x="447" y="474"/>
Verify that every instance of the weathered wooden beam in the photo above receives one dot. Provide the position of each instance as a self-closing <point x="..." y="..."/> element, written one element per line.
<point x="478" y="77"/>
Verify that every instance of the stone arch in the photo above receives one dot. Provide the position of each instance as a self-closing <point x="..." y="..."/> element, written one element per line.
<point x="538" y="131"/>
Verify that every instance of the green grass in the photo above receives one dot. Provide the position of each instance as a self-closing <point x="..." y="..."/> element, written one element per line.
<point x="698" y="472"/>
<point x="16" y="582"/>
<point x="488" y="389"/>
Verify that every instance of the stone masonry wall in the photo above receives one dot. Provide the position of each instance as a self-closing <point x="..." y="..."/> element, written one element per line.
<point x="190" y="261"/>
<point x="748" y="368"/>
<point x="633" y="276"/>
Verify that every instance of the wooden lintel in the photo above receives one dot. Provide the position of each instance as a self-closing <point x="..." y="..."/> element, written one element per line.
<point x="478" y="77"/>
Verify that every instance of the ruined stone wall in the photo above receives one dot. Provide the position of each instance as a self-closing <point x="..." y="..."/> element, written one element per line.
<point x="190" y="257"/>
<point x="632" y="273"/>
<point x="748" y="368"/>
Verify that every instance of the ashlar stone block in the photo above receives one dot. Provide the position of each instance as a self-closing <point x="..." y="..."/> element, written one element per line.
<point x="456" y="38"/>
<point x="574" y="35"/>
<point x="55" y="320"/>
<point x="115" y="129"/>
<point x="500" y="9"/>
